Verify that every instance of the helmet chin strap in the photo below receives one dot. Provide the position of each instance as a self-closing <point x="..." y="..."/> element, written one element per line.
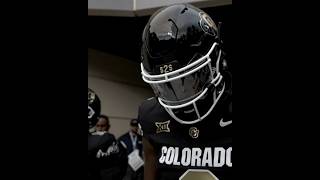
<point x="200" y="118"/>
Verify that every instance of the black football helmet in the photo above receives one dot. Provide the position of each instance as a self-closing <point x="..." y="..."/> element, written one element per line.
<point x="181" y="60"/>
<point x="94" y="108"/>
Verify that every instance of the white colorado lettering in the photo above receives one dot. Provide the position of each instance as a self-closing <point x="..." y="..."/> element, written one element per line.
<point x="207" y="157"/>
<point x="228" y="157"/>
<point x="170" y="156"/>
<point x="197" y="157"/>
<point x="219" y="154"/>
<point x="185" y="156"/>
<point x="163" y="156"/>
<point x="176" y="162"/>
<point x="196" y="153"/>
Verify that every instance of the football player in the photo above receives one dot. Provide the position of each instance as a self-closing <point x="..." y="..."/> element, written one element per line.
<point x="186" y="127"/>
<point x="107" y="159"/>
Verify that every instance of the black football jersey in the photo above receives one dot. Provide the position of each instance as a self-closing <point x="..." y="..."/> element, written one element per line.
<point x="107" y="159"/>
<point x="189" y="152"/>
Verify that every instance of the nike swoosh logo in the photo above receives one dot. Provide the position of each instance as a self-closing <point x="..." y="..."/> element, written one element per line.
<point x="225" y="123"/>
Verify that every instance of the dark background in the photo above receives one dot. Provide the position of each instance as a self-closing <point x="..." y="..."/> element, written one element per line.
<point x="44" y="87"/>
<point x="122" y="35"/>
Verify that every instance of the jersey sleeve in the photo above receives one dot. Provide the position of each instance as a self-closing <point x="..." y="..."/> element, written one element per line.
<point x="145" y="119"/>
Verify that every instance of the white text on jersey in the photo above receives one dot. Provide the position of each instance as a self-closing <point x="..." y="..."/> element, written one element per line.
<point x="197" y="157"/>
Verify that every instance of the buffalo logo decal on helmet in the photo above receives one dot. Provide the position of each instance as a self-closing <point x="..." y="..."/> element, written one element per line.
<point x="206" y="23"/>
<point x="207" y="19"/>
<point x="91" y="96"/>
<point x="94" y="107"/>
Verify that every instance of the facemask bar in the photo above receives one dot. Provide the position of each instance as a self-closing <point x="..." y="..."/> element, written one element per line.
<point x="216" y="81"/>
<point x="182" y="105"/>
<point x="200" y="118"/>
<point x="154" y="79"/>
<point x="161" y="78"/>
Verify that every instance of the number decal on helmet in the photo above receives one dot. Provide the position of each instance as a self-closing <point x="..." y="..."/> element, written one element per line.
<point x="166" y="68"/>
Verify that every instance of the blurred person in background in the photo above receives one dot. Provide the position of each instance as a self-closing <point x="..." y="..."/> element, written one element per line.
<point x="132" y="142"/>
<point x="103" y="125"/>
<point x="107" y="159"/>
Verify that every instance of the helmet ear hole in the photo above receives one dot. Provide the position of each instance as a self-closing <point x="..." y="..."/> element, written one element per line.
<point x="223" y="65"/>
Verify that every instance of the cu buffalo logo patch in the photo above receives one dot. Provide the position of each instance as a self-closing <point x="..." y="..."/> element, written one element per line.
<point x="200" y="174"/>
<point x="194" y="132"/>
